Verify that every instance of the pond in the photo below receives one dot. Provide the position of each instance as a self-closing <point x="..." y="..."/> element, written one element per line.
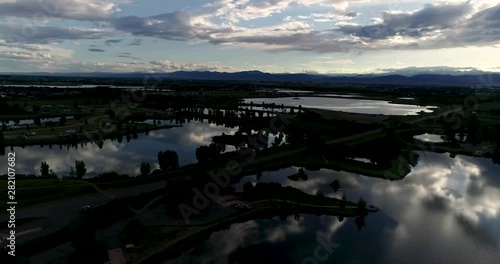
<point x="124" y="157"/>
<point x="445" y="211"/>
<point x="359" y="106"/>
<point x="432" y="138"/>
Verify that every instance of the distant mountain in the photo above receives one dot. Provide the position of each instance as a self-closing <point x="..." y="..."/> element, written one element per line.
<point x="484" y="79"/>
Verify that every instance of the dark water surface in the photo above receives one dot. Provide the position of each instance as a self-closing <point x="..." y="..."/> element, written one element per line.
<point x="445" y="211"/>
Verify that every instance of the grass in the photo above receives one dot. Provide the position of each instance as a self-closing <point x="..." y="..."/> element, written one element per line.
<point x="93" y="220"/>
<point x="22" y="221"/>
<point x="30" y="193"/>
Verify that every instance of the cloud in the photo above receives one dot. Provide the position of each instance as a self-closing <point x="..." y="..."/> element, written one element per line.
<point x="97" y="50"/>
<point x="92" y="10"/>
<point x="170" y="66"/>
<point x="423" y="22"/>
<point x="234" y="11"/>
<point x="351" y="14"/>
<point x="128" y="55"/>
<point x="179" y="26"/>
<point x="112" y="41"/>
<point x="32" y="52"/>
<point x="136" y="42"/>
<point x="18" y="33"/>
<point x="431" y="27"/>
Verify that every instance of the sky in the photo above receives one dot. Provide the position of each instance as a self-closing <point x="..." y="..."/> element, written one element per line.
<point x="278" y="36"/>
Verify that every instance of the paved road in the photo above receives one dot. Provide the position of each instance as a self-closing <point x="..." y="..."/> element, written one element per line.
<point x="56" y="215"/>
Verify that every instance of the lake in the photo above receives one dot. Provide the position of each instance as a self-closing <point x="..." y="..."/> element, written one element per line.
<point x="124" y="157"/>
<point x="445" y="211"/>
<point x="360" y="106"/>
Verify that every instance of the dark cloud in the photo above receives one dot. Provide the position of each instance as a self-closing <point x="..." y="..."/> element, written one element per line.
<point x="417" y="24"/>
<point x="171" y="26"/>
<point x="97" y="50"/>
<point x="91" y="10"/>
<point x="112" y="41"/>
<point x="23" y="55"/>
<point x="46" y="35"/>
<point x="432" y="27"/>
<point x="128" y="55"/>
<point x="351" y="14"/>
<point x="482" y="28"/>
<point x="475" y="187"/>
<point x="436" y="202"/>
<point x="476" y="231"/>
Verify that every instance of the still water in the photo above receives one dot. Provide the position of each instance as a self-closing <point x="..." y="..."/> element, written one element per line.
<point x="445" y="211"/>
<point x="124" y="157"/>
<point x="346" y="105"/>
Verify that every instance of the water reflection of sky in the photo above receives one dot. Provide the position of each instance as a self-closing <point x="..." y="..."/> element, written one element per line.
<point x="346" y="105"/>
<point x="430" y="138"/>
<point x="122" y="157"/>
<point x="445" y="211"/>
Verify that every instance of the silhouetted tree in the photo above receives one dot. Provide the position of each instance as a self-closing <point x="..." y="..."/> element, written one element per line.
<point x="335" y="185"/>
<point x="319" y="193"/>
<point x="361" y="203"/>
<point x="360" y="222"/>
<point x="44" y="169"/>
<point x="80" y="169"/>
<point x="145" y="168"/>
<point x="168" y="160"/>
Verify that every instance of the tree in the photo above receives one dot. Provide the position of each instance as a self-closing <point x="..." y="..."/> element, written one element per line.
<point x="342" y="204"/>
<point x="145" y="168"/>
<point x="168" y="160"/>
<point x="361" y="203"/>
<point x="202" y="154"/>
<point x="206" y="153"/>
<point x="44" y="169"/>
<point x="360" y="222"/>
<point x="72" y="172"/>
<point x="335" y="185"/>
<point x="320" y="194"/>
<point x="52" y="174"/>
<point x="80" y="168"/>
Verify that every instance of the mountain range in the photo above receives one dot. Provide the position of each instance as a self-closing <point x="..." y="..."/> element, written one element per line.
<point x="483" y="79"/>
